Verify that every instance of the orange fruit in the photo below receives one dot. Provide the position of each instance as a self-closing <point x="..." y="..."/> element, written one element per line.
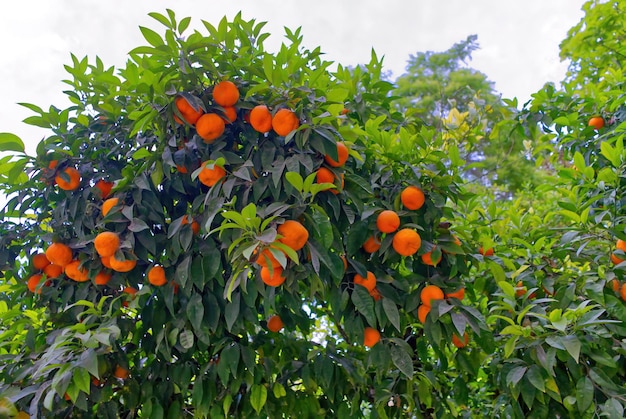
<point x="615" y="259"/>
<point x="285" y="121"/>
<point x="33" y="282"/>
<point x="120" y="372"/>
<point x="130" y="291"/>
<point x="122" y="265"/>
<point x="406" y="242"/>
<point x="75" y="272"/>
<point x="460" y="294"/>
<point x="53" y="271"/>
<point x="231" y="113"/>
<point x="376" y="295"/>
<point x="156" y="276"/>
<point x="369" y="282"/>
<point x="275" y="323"/>
<point x="520" y="289"/>
<point x="102" y="278"/>
<point x="210" y="177"/>
<point x="616" y="285"/>
<point x="267" y="258"/>
<point x="622" y="291"/>
<point x="225" y="93"/>
<point x="272" y="276"/>
<point x="108" y="205"/>
<point x="59" y="254"/>
<point x="261" y="119"/>
<point x="431" y="293"/>
<point x="428" y="260"/>
<point x="210" y="127"/>
<point x="457" y="341"/>
<point x="412" y="197"/>
<point x="371" y="337"/>
<point x="294" y="234"/>
<point x="106" y="262"/>
<point x="342" y="156"/>
<point x="388" y="221"/>
<point x="105" y="188"/>
<point x="488" y="252"/>
<point x="70" y="180"/>
<point x="621" y="245"/>
<point x="195" y="226"/>
<point x="422" y="312"/>
<point x="371" y="245"/>
<point x="181" y="169"/>
<point x="40" y="261"/>
<point x="325" y="175"/>
<point x="106" y="243"/>
<point x="189" y="113"/>
<point x="596" y="122"/>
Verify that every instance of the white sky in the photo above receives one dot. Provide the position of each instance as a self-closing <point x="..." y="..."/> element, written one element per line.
<point x="519" y="38"/>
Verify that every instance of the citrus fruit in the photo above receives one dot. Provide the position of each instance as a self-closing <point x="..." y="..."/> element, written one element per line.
<point x="342" y="156"/>
<point x="261" y="119"/>
<point x="406" y="242"/>
<point x="275" y="323"/>
<point x="369" y="282"/>
<point x="387" y="221"/>
<point x="225" y="93"/>
<point x="371" y="337"/>
<point x="431" y="293"/>
<point x="412" y="197"/>
<point x="294" y="234"/>
<point x="210" y="126"/>
<point x="285" y="121"/>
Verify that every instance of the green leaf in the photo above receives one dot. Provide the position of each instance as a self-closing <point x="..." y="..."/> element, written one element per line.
<point x="186" y="339"/>
<point x="515" y="375"/>
<point x="231" y="311"/>
<point x="536" y="378"/>
<point x="572" y="345"/>
<point x="610" y="153"/>
<point x="258" y="397"/>
<point x="295" y="180"/>
<point x="402" y="360"/>
<point x="391" y="310"/>
<point x="279" y="390"/>
<point x="364" y="304"/>
<point x="195" y="311"/>
<point x="11" y="142"/>
<point x="151" y="36"/>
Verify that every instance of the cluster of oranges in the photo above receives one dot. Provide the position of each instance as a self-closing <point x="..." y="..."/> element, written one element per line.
<point x="331" y="173"/>
<point x="431" y="293"/>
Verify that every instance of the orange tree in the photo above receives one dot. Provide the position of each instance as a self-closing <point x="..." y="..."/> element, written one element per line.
<point x="197" y="265"/>
<point x="552" y="290"/>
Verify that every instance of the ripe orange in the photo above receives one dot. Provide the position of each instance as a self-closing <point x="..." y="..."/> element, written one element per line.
<point x="457" y="341"/>
<point x="371" y="245"/>
<point x="275" y="323"/>
<point x="108" y="205"/>
<point x="621" y="245"/>
<point x="285" y="121"/>
<point x="266" y="258"/>
<point x="422" y="312"/>
<point x="376" y="295"/>
<point x="53" y="271"/>
<point x="488" y="252"/>
<point x="460" y="294"/>
<point x="261" y="119"/>
<point x="189" y="113"/>
<point x="59" y="254"/>
<point x="427" y="258"/>
<point x="431" y="293"/>
<point x="120" y="372"/>
<point x="369" y="282"/>
<point x="406" y="242"/>
<point x="210" y="177"/>
<point x="294" y="234"/>
<point x="195" y="226"/>
<point x="33" y="282"/>
<point x="615" y="285"/>
<point x="75" y="272"/>
<point x="106" y="262"/>
<point x="122" y="265"/>
<point x="106" y="243"/>
<point x="231" y="114"/>
<point x="40" y="261"/>
<point x="520" y="289"/>
<point x="325" y="175"/>
<point x="105" y="188"/>
<point x="597" y="122"/>
<point x="102" y="278"/>
<point x="210" y="126"/>
<point x="622" y="291"/>
<point x="342" y="156"/>
<point x="225" y="93"/>
<point x="130" y="291"/>
<point x="388" y="221"/>
<point x="156" y="276"/>
<point x="615" y="259"/>
<point x="70" y="180"/>
<point x="412" y="197"/>
<point x="371" y="337"/>
<point x="272" y="277"/>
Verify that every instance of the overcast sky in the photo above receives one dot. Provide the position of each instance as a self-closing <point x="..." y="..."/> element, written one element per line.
<point x="518" y="38"/>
